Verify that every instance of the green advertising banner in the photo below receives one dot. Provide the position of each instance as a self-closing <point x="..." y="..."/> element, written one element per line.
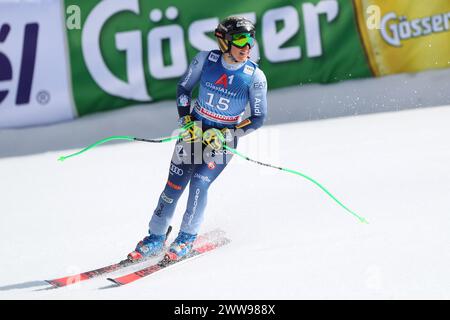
<point x="134" y="51"/>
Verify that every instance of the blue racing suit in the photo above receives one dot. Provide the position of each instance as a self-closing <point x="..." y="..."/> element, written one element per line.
<point x="224" y="91"/>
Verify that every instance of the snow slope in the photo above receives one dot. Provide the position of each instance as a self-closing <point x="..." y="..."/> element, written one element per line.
<point x="289" y="240"/>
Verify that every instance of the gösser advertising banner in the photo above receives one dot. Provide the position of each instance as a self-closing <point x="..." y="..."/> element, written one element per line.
<point x="410" y="35"/>
<point x="91" y="56"/>
<point x="135" y="51"/>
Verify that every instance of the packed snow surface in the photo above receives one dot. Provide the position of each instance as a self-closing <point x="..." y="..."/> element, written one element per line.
<point x="289" y="239"/>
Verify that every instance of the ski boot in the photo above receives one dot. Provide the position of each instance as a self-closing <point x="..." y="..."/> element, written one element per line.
<point x="181" y="246"/>
<point x="151" y="246"/>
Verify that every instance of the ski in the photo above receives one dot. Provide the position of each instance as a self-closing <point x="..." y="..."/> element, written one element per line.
<point x="207" y="246"/>
<point x="69" y="280"/>
<point x="87" y="275"/>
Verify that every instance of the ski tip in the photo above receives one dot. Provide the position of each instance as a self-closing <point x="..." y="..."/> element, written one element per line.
<point x="58" y="283"/>
<point x="54" y="284"/>
<point x="117" y="283"/>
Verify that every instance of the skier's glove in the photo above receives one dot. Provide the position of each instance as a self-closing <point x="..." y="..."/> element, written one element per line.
<point x="216" y="138"/>
<point x="190" y="132"/>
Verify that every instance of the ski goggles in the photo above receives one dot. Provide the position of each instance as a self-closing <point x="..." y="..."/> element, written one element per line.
<point x="240" y="40"/>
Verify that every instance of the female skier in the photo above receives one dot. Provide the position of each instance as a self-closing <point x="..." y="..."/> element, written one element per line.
<point x="228" y="80"/>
